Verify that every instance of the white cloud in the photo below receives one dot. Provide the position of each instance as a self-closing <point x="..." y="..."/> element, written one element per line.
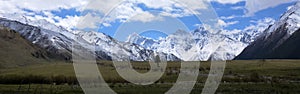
<point x="194" y="4"/>
<point x="145" y="17"/>
<point x="220" y="23"/>
<point x="170" y="4"/>
<point x="232" y="23"/>
<point x="238" y="8"/>
<point x="69" y="22"/>
<point x="156" y="3"/>
<point x="103" y="6"/>
<point x="261" y="24"/>
<point x="88" y="21"/>
<point x="254" y="6"/>
<point x="128" y="11"/>
<point x="227" y="1"/>
<point x="230" y="32"/>
<point x="229" y="17"/>
<point x="12" y="6"/>
<point x="122" y="13"/>
<point x="32" y="9"/>
<point x="197" y="25"/>
<point x="176" y="13"/>
<point x="226" y="24"/>
<point x="106" y="24"/>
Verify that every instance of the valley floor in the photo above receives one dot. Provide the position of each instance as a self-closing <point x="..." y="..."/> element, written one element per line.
<point x="252" y="76"/>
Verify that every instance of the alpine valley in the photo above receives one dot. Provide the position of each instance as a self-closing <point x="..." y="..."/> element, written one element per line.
<point x="196" y="45"/>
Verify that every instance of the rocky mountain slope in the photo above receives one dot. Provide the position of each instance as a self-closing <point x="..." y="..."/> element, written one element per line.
<point x="59" y="41"/>
<point x="199" y="44"/>
<point x="53" y="42"/>
<point x="280" y="39"/>
<point x="17" y="51"/>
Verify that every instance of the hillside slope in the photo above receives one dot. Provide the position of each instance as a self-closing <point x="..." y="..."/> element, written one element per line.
<point x="281" y="40"/>
<point x="289" y="49"/>
<point x="17" y="51"/>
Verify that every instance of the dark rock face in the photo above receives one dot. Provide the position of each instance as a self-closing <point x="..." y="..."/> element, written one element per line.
<point x="273" y="47"/>
<point x="263" y="46"/>
<point x="290" y="49"/>
<point x="280" y="41"/>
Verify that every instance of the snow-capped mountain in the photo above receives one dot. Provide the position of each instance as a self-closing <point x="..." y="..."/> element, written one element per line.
<point x="143" y="41"/>
<point x="54" y="42"/>
<point x="275" y="37"/>
<point x="200" y="44"/>
<point x="118" y="50"/>
<point x="59" y="41"/>
<point x="182" y="45"/>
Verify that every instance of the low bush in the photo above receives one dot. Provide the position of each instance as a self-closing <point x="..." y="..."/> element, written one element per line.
<point x="37" y="79"/>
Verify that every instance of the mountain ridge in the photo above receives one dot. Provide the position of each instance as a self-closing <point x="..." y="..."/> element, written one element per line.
<point x="60" y="42"/>
<point x="276" y="36"/>
<point x="201" y="46"/>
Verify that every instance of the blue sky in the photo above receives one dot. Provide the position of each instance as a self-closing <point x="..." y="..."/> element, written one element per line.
<point x="239" y="20"/>
<point x="244" y="21"/>
<point x="140" y="16"/>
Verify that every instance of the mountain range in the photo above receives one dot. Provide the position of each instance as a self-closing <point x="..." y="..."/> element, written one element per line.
<point x="58" y="40"/>
<point x="197" y="45"/>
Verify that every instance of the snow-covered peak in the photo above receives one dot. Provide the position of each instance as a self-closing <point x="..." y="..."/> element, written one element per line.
<point x="94" y="37"/>
<point x="17" y="17"/>
<point x="200" y="44"/>
<point x="41" y="23"/>
<point x="291" y="19"/>
<point x="270" y="44"/>
<point x="200" y="30"/>
<point x="180" y="32"/>
<point x="134" y="38"/>
<point x="142" y="41"/>
<point x="60" y="42"/>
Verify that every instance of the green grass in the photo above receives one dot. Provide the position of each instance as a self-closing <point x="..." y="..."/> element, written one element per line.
<point x="45" y="69"/>
<point x="40" y="89"/>
<point x="255" y="76"/>
<point x="244" y="88"/>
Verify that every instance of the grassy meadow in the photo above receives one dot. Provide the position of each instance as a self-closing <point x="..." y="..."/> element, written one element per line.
<point x="251" y="76"/>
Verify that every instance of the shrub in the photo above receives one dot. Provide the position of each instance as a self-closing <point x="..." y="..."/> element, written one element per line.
<point x="254" y="77"/>
<point x="37" y="79"/>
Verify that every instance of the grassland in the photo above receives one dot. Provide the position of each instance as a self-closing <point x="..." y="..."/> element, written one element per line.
<point x="253" y="76"/>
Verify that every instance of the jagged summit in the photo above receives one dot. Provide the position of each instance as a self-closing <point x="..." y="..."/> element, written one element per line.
<point x="200" y="44"/>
